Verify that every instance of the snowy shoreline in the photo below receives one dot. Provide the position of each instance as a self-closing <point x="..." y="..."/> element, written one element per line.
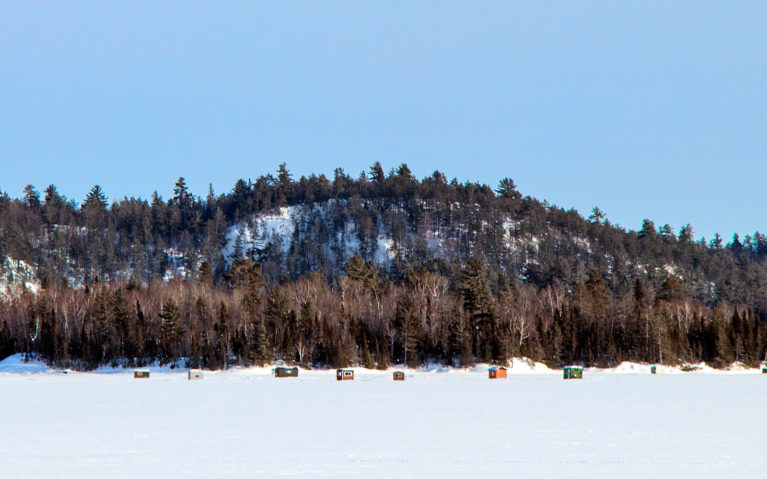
<point x="15" y="364"/>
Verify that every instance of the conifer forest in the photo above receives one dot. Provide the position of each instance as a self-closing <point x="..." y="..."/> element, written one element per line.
<point x="372" y="270"/>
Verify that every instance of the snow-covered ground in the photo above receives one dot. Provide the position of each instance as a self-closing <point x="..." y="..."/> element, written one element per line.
<point x="452" y="423"/>
<point x="279" y="226"/>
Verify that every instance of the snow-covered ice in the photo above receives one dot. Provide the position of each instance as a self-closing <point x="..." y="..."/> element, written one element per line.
<point x="246" y="424"/>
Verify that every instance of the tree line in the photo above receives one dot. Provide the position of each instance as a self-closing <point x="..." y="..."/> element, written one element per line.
<point x="362" y="318"/>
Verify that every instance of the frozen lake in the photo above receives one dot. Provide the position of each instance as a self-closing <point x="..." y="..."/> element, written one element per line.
<point x="456" y="424"/>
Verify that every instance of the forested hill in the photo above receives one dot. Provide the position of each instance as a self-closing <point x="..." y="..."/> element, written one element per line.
<point x="380" y="268"/>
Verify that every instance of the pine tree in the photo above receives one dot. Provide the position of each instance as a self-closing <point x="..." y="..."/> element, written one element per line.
<point x="381" y="359"/>
<point x="672" y="290"/>
<point x="206" y="273"/>
<point x="220" y="356"/>
<point x="94" y="209"/>
<point x="140" y="333"/>
<point x="104" y="333"/>
<point x="123" y="320"/>
<point x="507" y="189"/>
<point x="459" y="340"/>
<point x="716" y="243"/>
<point x="171" y="333"/>
<point x="31" y="197"/>
<point x="284" y="184"/>
<point x="367" y="358"/>
<point x="597" y="216"/>
<point x="377" y="173"/>
<point x="95" y="199"/>
<point x="260" y="341"/>
<point x="181" y="196"/>
<point x="408" y="321"/>
<point x="478" y="303"/>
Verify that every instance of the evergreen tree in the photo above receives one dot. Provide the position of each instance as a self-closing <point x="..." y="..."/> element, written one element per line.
<point x="170" y="338"/>
<point x="597" y="216"/>
<point x="716" y="243"/>
<point x="508" y="189"/>
<point x="672" y="289"/>
<point x="409" y="322"/>
<point x="95" y="199"/>
<point x="285" y="183"/>
<point x="220" y="356"/>
<point x="479" y="305"/>
<point x="181" y="196"/>
<point x="31" y="197"/>
<point x="123" y="318"/>
<point x="206" y="273"/>
<point x="367" y="358"/>
<point x="377" y="173"/>
<point x="260" y="341"/>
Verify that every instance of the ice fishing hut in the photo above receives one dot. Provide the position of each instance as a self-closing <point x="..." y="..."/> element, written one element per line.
<point x="764" y="368"/>
<point x="398" y="376"/>
<point x="345" y="374"/>
<point x="195" y="374"/>
<point x="141" y="374"/>
<point x="283" y="372"/>
<point x="573" y="372"/>
<point x="496" y="372"/>
<point x="653" y="369"/>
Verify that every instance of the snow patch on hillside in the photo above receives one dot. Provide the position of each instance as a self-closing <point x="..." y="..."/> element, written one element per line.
<point x="384" y="252"/>
<point x="177" y="265"/>
<point x="671" y="269"/>
<point x="261" y="231"/>
<point x="17" y="276"/>
<point x="315" y="228"/>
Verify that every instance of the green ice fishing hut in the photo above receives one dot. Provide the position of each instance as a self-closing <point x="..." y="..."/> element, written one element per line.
<point x="573" y="372"/>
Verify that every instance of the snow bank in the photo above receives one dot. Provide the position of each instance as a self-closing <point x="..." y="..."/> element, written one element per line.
<point x="628" y="367"/>
<point x="178" y="366"/>
<point x="16" y="365"/>
<point x="516" y="366"/>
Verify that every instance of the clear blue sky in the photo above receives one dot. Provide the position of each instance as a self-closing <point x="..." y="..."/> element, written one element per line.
<point x="647" y="109"/>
